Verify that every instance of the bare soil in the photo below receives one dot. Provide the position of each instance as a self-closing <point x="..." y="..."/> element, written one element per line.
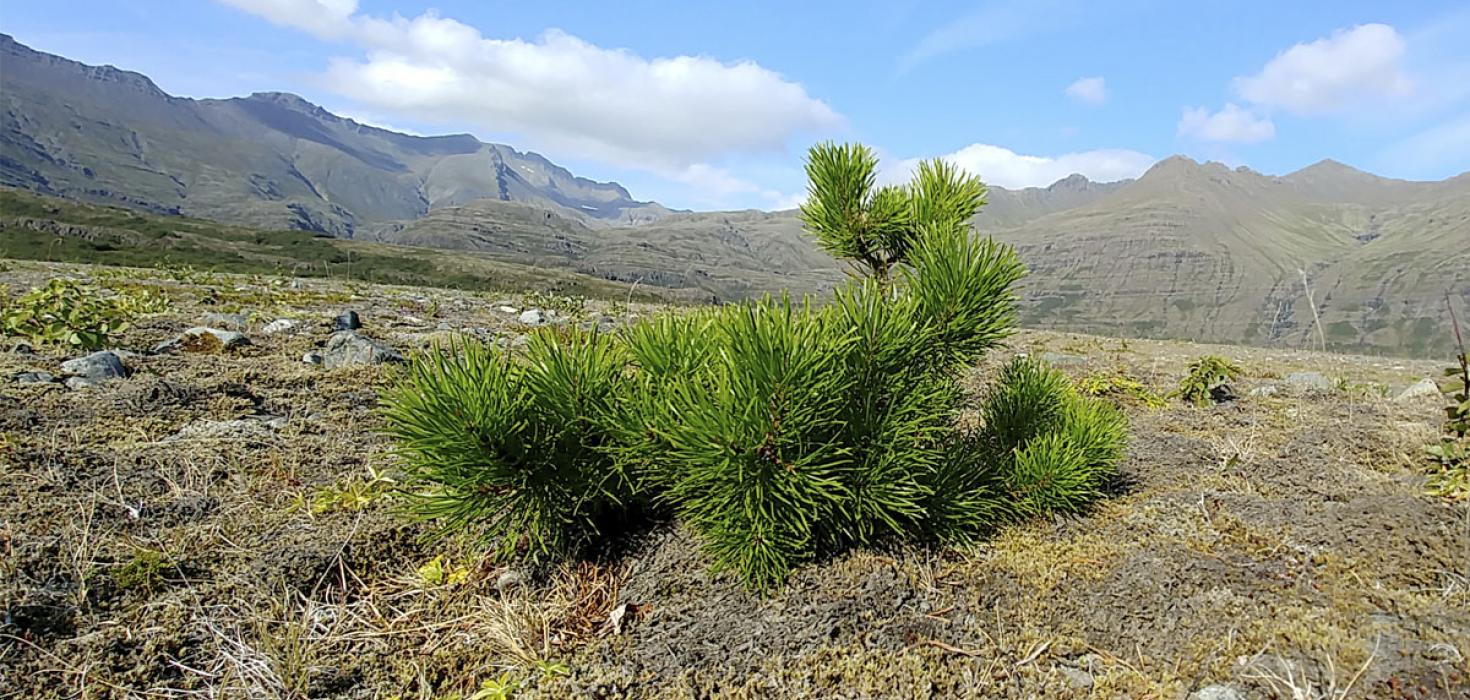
<point x="167" y="535"/>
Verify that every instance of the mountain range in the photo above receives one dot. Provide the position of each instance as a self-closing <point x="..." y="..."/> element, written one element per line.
<point x="1188" y="250"/>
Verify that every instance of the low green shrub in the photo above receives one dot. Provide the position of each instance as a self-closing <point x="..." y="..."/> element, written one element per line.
<point x="777" y="430"/>
<point x="1449" y="476"/>
<point x="69" y="312"/>
<point x="1206" y="373"/>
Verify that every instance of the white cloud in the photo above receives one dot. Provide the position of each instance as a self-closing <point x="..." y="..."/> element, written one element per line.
<point x="1332" y="73"/>
<point x="1006" y="168"/>
<point x="993" y="22"/>
<point x="1232" y="124"/>
<point x="1089" y="90"/>
<point x="557" y="91"/>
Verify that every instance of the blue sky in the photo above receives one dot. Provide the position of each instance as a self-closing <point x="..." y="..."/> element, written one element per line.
<point x="705" y="105"/>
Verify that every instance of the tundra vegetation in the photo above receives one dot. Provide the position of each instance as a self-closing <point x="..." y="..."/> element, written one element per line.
<point x="778" y="430"/>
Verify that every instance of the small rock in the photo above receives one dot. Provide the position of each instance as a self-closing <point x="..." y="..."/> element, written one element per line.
<point x="348" y="321"/>
<point x="1265" y="391"/>
<point x="412" y="320"/>
<point x="510" y="580"/>
<point x="348" y="348"/>
<point x="23" y="348"/>
<point x="96" y="367"/>
<point x="79" y="383"/>
<point x="506" y="309"/>
<point x="1312" y="382"/>
<point x="312" y="358"/>
<point x="1422" y="389"/>
<point x="536" y="317"/>
<point x="201" y="339"/>
<point x="32" y="378"/>
<point x="1076" y="677"/>
<point x="1057" y="358"/>
<point x="236" y="322"/>
<point x="239" y="429"/>
<point x="1216" y="692"/>
<point x="279" y="325"/>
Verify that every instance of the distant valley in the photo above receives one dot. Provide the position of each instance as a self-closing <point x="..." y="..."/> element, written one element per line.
<point x="1188" y="250"/>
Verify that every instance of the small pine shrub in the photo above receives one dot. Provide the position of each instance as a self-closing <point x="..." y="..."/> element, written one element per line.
<point x="776" y="430"/>
<point x="1205" y="374"/>
<point x="1054" y="448"/>
<point x="518" y="446"/>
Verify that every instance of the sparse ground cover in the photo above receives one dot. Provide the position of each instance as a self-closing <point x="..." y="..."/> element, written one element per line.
<point x="225" y="524"/>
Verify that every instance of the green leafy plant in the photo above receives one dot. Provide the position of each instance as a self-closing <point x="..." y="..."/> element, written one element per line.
<point x="1450" y="475"/>
<point x="436" y="572"/>
<point x="69" y="312"/>
<point x="1206" y="374"/>
<point x="502" y="687"/>
<point x="561" y="304"/>
<point x="145" y="570"/>
<point x="1117" y="384"/>
<point x="352" y="494"/>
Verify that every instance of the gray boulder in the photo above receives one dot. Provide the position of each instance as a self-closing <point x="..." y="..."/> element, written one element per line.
<point x="202" y="339"/>
<point x="93" y="370"/>
<point x="280" y="325"/>
<point x="234" y="322"/>
<point x="347" y="348"/>
<point x="1217" y="692"/>
<point x="536" y="317"/>
<point x="1421" y="390"/>
<point x="347" y="321"/>
<point x="99" y="366"/>
<point x="32" y="378"/>
<point x="1309" y="382"/>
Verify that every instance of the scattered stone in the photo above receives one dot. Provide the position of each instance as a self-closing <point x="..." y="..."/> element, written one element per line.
<point x="1265" y="391"/>
<point x="234" y="322"/>
<point x="23" y="348"/>
<point x="312" y="358"/>
<point x="510" y="580"/>
<point x="33" y="378"/>
<point x="536" y="317"/>
<point x="412" y="320"/>
<point x="1222" y="393"/>
<point x="348" y="321"/>
<point x="1216" y="692"/>
<point x="347" y="348"/>
<point x="506" y="309"/>
<point x="95" y="368"/>
<point x="1057" y="358"/>
<point x="1422" y="389"/>
<point x="1311" y="382"/>
<point x="280" y="325"/>
<point x="202" y="339"/>
<point x="238" y="429"/>
<point x="1076" y="677"/>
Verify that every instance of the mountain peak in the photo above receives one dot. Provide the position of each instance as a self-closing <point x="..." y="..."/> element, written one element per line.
<point x="1073" y="182"/>
<point x="1328" y="167"/>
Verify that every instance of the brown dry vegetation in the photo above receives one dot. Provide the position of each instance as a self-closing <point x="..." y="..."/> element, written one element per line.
<point x="159" y="542"/>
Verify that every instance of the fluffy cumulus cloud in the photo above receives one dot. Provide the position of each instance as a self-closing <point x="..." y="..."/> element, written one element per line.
<point x="560" y="92"/>
<point x="1006" y="168"/>
<point x="1089" y="90"/>
<point x="1332" y="73"/>
<point x="1232" y="124"/>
